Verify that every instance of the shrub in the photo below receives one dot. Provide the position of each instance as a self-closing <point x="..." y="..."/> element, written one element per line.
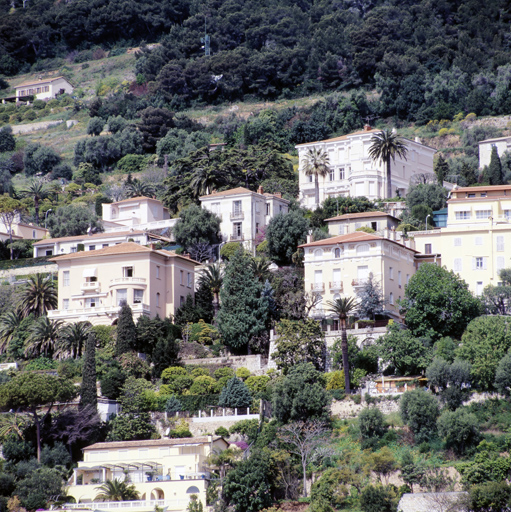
<point x="203" y="385"/>
<point x="222" y="431"/>
<point x="242" y="373"/>
<point x="171" y="373"/>
<point x="372" y="423"/>
<point x="459" y="428"/>
<point x="419" y="410"/>
<point x="235" y="394"/>
<point x="257" y="383"/>
<point x="229" y="250"/>
<point x="223" y="372"/>
<point x="335" y="380"/>
<point x="199" y="372"/>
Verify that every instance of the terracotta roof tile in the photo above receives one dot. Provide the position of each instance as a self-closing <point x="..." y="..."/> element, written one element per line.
<point x="342" y="137"/>
<point x="362" y="215"/>
<point x="138" y="198"/>
<point x="482" y="188"/>
<point x="231" y="192"/>
<point x="43" y="81"/>
<point x="151" y="442"/>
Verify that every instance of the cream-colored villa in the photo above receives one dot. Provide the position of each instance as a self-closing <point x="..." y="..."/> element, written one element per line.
<point x="22" y="231"/>
<point x="165" y="472"/>
<point x="244" y="213"/>
<point x="503" y="145"/>
<point x="350" y="222"/>
<point x="92" y="285"/>
<point x="43" y="88"/>
<point x="138" y="213"/>
<point x="476" y="242"/>
<point x="354" y="173"/>
<point x="340" y="266"/>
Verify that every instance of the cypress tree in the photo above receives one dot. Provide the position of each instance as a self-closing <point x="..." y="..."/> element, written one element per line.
<point x="495" y="168"/>
<point x="88" y="392"/>
<point x="441" y="170"/>
<point x="126" y="331"/>
<point x="165" y="354"/>
<point x="235" y="394"/>
<point x="243" y="310"/>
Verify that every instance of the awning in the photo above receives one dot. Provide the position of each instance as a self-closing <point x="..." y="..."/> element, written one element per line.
<point x="90" y="272"/>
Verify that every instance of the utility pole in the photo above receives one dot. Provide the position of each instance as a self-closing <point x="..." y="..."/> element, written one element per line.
<point x="206" y="42"/>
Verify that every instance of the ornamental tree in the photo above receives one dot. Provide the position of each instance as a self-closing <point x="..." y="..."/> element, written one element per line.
<point x="235" y="394"/>
<point x="243" y="311"/>
<point x="126" y="331"/>
<point x="438" y="303"/>
<point x="88" y="391"/>
<point x="419" y="411"/>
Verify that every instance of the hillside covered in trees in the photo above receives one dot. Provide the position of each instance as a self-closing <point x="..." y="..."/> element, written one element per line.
<point x="428" y="59"/>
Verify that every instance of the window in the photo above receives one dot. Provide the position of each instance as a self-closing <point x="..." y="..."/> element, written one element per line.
<point x="92" y="247"/>
<point x="427" y="248"/>
<point x="65" y="304"/>
<point x="91" y="302"/>
<point x="391" y="298"/>
<point x="399" y="277"/>
<point x="189" y="279"/>
<point x="122" y="296"/>
<point x="331" y="175"/>
<point x="215" y="208"/>
<point x="483" y="214"/>
<point x="157" y="271"/>
<point x="341" y="173"/>
<point x="33" y="233"/>
<point x="236" y="207"/>
<point x="281" y="208"/>
<point x="65" y="278"/>
<point x="479" y="288"/>
<point x="257" y="227"/>
<point x="507" y="214"/>
<point x="479" y="263"/>
<point x="457" y="265"/>
<point x="483" y="194"/>
<point x="500" y="243"/>
<point x="268" y="209"/>
<point x="138" y="296"/>
<point x="457" y="242"/>
<point x="181" y="300"/>
<point x="237" y="230"/>
<point x="391" y="273"/>
<point x="318" y="254"/>
<point x="127" y="271"/>
<point x="337" y="252"/>
<point x="471" y="195"/>
<point x="462" y="215"/>
<point x="73" y="249"/>
<point x="104" y="245"/>
<point x="158" y="300"/>
<point x="501" y="262"/>
<point x="363" y="249"/>
<point x="181" y="277"/>
<point x="479" y="240"/>
<point x="310" y="178"/>
<point x="49" y="252"/>
<point x="407" y="278"/>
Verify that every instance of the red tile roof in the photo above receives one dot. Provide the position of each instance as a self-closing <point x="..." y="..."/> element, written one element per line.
<point x="43" y="81"/>
<point x="111" y="234"/>
<point x="362" y="215"/>
<point x="151" y="442"/>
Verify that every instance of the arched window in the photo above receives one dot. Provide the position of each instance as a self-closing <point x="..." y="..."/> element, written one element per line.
<point x="192" y="490"/>
<point x="391" y="298"/>
<point x="318" y="254"/>
<point x="362" y="249"/>
<point x="337" y="252"/>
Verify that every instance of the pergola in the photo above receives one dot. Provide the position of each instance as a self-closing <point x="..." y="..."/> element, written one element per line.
<point x="123" y="466"/>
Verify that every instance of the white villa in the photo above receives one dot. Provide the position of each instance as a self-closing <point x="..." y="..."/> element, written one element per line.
<point x="43" y="89"/>
<point x="354" y="173"/>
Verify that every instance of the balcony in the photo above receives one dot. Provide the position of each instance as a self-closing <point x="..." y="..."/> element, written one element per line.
<point x="129" y="505"/>
<point x="111" y="311"/>
<point x="239" y="215"/>
<point x="359" y="282"/>
<point x="93" y="286"/>
<point x="128" y="280"/>
<point x="236" y="238"/>
<point x="318" y="287"/>
<point x="336" y="286"/>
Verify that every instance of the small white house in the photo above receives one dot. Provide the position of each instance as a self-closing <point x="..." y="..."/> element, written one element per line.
<point x="43" y="88"/>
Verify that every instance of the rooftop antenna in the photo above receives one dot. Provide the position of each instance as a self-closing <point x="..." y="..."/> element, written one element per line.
<point x="206" y="41"/>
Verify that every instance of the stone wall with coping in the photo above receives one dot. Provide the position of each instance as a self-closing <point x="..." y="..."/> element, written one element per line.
<point x="255" y="363"/>
<point x="11" y="273"/>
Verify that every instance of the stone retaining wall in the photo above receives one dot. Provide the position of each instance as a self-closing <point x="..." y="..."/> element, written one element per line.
<point x="11" y="273"/>
<point x="255" y="363"/>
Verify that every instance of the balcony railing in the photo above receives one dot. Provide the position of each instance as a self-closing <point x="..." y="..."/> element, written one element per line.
<point x="128" y="280"/>
<point x="318" y="287"/>
<point x="239" y="215"/>
<point x="100" y="310"/>
<point x="122" y="505"/>
<point x="238" y="238"/>
<point x="93" y="285"/>
<point x="359" y="282"/>
<point x="336" y="286"/>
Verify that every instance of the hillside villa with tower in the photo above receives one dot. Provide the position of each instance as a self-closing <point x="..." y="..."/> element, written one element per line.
<point x="354" y="173"/>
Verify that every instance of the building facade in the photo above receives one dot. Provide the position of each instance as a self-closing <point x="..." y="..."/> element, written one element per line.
<point x="244" y="214"/>
<point x="43" y="89"/>
<point x="350" y="222"/>
<point x="72" y="244"/>
<point x="165" y="472"/>
<point x="503" y="145"/>
<point x="340" y="267"/>
<point x="354" y="173"/>
<point x="92" y="285"/>
<point x="137" y="213"/>
<point x="476" y="241"/>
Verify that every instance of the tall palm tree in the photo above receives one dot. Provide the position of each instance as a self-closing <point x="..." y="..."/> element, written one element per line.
<point x="9" y="324"/>
<point x="343" y="307"/>
<point x="38" y="296"/>
<point x="138" y="188"/>
<point x="117" y="490"/>
<point x="316" y="164"/>
<point x="38" y="191"/>
<point x="205" y="178"/>
<point x="213" y="277"/>
<point x="261" y="268"/>
<point x="385" y="146"/>
<point x="72" y="339"/>
<point x="43" y="337"/>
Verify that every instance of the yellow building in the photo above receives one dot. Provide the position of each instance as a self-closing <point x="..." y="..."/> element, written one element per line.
<point x="165" y="472"/>
<point x="477" y="238"/>
<point x="340" y="266"/>
<point x="350" y="222"/>
<point x="93" y="284"/>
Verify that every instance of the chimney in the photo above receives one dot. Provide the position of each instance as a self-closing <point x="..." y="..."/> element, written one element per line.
<point x="260" y="190"/>
<point x="310" y="238"/>
<point x="367" y="128"/>
<point x="278" y="194"/>
<point x="417" y="140"/>
<point x="187" y="255"/>
<point x="152" y="247"/>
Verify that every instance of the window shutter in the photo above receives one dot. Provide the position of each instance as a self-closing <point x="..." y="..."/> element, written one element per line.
<point x="485" y="263"/>
<point x="474" y="264"/>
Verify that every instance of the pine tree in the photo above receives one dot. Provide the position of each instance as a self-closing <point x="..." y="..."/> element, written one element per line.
<point x="441" y="170"/>
<point x="88" y="392"/>
<point x="495" y="168"/>
<point x="243" y="310"/>
<point x="165" y="354"/>
<point x="126" y="331"/>
<point x="235" y="394"/>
